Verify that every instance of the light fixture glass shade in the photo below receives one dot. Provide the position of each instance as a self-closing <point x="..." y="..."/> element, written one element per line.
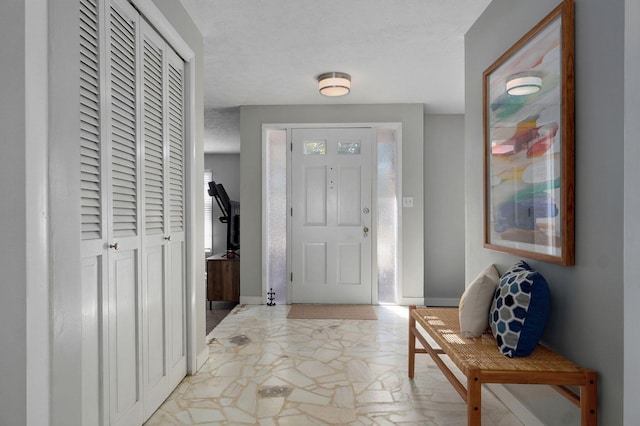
<point x="525" y="83"/>
<point x="334" y="83"/>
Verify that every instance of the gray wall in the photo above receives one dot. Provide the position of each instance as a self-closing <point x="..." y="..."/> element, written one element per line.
<point x="49" y="390"/>
<point x="251" y="119"/>
<point x="13" y="252"/>
<point x="226" y="170"/>
<point x="587" y="299"/>
<point x="631" y="209"/>
<point x="444" y="280"/>
<point x="222" y="130"/>
<point x="66" y="289"/>
<point x="24" y="260"/>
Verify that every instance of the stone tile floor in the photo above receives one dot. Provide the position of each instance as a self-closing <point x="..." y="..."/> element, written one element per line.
<point x="264" y="369"/>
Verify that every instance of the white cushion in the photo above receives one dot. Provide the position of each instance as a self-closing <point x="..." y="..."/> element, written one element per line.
<point x="476" y="302"/>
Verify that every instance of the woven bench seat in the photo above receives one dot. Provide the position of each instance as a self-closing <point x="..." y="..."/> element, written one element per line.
<point x="481" y="362"/>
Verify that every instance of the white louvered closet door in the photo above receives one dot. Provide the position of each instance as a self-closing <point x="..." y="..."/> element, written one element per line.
<point x="93" y="207"/>
<point x="175" y="120"/>
<point x="132" y="170"/>
<point x="124" y="217"/>
<point x="154" y="250"/>
<point x="163" y="250"/>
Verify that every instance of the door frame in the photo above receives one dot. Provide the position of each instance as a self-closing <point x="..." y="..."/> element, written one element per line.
<point x="375" y="126"/>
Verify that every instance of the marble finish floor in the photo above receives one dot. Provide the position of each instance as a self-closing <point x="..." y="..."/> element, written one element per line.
<point x="264" y="369"/>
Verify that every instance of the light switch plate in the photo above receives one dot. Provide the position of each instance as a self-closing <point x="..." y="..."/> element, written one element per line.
<point x="407" y="201"/>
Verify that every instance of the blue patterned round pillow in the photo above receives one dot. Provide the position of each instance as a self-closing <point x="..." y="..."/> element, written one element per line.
<point x="520" y="310"/>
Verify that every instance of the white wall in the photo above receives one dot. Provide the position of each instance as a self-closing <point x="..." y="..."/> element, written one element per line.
<point x="444" y="280"/>
<point x="587" y="299"/>
<point x="251" y="119"/>
<point x="631" y="209"/>
<point x="226" y="170"/>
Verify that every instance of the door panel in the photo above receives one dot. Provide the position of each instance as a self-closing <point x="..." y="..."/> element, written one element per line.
<point x="154" y="310"/>
<point x="315" y="179"/>
<point x="153" y="105"/>
<point x="349" y="260"/>
<point x="349" y="196"/>
<point x="124" y="329"/>
<point x="92" y="277"/>
<point x="175" y="194"/>
<point x="315" y="263"/>
<point x="154" y="347"/>
<point x="124" y="302"/>
<point x="177" y="300"/>
<point x="331" y="203"/>
<point x="93" y="215"/>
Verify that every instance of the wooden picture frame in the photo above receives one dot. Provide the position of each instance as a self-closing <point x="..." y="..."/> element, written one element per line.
<point x="528" y="111"/>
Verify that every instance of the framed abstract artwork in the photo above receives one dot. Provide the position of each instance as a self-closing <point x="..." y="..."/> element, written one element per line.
<point x="528" y="96"/>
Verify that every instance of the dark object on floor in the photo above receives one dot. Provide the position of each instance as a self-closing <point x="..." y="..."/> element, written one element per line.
<point x="218" y="311"/>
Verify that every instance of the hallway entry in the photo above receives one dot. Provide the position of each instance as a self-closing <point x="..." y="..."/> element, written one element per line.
<point x="331" y="213"/>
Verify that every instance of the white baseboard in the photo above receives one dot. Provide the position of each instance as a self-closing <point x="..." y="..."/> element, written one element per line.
<point x="407" y="301"/>
<point x="517" y="408"/>
<point x="418" y="301"/>
<point x="202" y="358"/>
<point x="251" y="300"/>
<point x="441" y="301"/>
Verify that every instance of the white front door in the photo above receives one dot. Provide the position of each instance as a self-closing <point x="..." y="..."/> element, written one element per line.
<point x="331" y="215"/>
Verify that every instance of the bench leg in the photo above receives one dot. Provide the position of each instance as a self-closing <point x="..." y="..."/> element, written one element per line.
<point x="474" y="403"/>
<point x="589" y="400"/>
<point x="412" y="344"/>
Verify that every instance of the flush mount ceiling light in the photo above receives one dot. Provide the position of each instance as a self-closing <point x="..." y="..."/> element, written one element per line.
<point x="334" y="83"/>
<point x="523" y="83"/>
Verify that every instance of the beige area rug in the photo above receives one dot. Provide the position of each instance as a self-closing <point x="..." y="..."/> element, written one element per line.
<point x="342" y="312"/>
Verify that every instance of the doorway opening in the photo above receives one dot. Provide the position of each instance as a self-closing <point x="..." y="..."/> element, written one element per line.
<point x="276" y="226"/>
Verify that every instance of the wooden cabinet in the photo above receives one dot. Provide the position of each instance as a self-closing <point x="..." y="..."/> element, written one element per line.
<point x="223" y="278"/>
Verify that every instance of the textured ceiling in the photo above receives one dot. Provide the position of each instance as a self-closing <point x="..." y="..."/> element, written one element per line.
<point x="269" y="52"/>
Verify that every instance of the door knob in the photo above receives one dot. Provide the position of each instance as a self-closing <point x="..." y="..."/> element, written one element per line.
<point x="168" y="238"/>
<point x="114" y="246"/>
<point x="365" y="229"/>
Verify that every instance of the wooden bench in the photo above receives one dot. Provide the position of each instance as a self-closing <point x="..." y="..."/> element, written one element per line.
<point x="481" y="362"/>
